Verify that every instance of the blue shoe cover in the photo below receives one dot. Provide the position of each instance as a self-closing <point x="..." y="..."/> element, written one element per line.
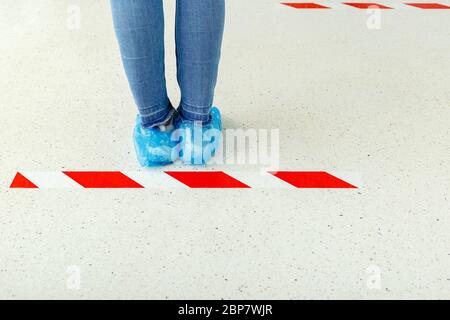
<point x="199" y="142"/>
<point x="153" y="146"/>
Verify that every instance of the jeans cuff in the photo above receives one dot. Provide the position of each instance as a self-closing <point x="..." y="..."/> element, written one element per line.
<point x="201" y="114"/>
<point x="158" y="118"/>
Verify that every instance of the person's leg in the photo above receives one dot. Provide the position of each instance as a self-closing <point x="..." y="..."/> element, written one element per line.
<point x="199" y="30"/>
<point x="139" y="26"/>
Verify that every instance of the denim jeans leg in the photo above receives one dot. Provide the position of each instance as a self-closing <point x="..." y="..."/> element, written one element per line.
<point x="139" y="27"/>
<point x="199" y="32"/>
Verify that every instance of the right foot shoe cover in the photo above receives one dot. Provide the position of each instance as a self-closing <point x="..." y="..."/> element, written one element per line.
<point x="154" y="147"/>
<point x="199" y="142"/>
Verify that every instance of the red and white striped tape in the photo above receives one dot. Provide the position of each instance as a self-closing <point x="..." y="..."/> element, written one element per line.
<point x="183" y="179"/>
<point x="366" y="5"/>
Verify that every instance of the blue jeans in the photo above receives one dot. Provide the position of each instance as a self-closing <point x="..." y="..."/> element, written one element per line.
<point x="139" y="26"/>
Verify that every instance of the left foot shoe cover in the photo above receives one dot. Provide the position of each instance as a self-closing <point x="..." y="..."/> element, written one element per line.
<point x="199" y="142"/>
<point x="153" y="146"/>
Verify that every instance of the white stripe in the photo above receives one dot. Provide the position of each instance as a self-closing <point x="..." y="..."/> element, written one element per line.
<point x="155" y="180"/>
<point x="342" y="6"/>
<point x="260" y="179"/>
<point x="354" y="178"/>
<point x="51" y="180"/>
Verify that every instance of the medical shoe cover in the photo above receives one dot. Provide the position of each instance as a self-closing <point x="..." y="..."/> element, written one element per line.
<point x="199" y="142"/>
<point x="154" y="147"/>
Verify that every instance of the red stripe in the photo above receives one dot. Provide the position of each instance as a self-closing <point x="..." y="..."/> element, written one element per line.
<point x="366" y="5"/>
<point x="206" y="179"/>
<point x="104" y="179"/>
<point x="428" y="5"/>
<point x="312" y="179"/>
<point x="305" y="5"/>
<point x="21" y="182"/>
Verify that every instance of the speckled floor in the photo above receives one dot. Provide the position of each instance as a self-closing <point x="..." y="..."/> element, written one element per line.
<point x="345" y="97"/>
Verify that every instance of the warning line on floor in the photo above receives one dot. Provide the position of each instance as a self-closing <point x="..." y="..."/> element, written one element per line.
<point x="365" y="5"/>
<point x="181" y="179"/>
